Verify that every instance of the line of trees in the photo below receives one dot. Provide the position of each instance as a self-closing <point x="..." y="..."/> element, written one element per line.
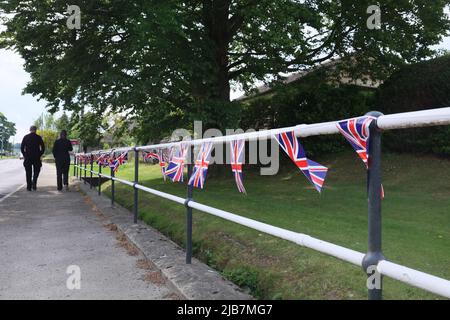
<point x="98" y="132"/>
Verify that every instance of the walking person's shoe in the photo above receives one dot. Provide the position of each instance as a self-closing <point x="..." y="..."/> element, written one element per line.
<point x="34" y="186"/>
<point x="29" y="188"/>
<point x="66" y="187"/>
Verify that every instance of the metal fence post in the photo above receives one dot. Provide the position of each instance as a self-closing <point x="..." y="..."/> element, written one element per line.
<point x="74" y="166"/>
<point x="92" y="168"/>
<point x="99" y="180"/>
<point x="136" y="181"/>
<point x="113" y="188"/>
<point x="374" y="254"/>
<point x="85" y="169"/>
<point x="190" y="192"/>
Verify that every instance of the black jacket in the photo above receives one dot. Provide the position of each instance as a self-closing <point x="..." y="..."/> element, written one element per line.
<point x="32" y="147"/>
<point x="61" y="150"/>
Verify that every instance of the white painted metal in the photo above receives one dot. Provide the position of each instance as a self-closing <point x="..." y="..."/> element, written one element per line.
<point x="162" y="194"/>
<point x="433" y="117"/>
<point x="415" y="278"/>
<point x="298" y="238"/>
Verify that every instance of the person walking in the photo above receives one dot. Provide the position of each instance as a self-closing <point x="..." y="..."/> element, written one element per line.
<point x="32" y="148"/>
<point x="61" y="150"/>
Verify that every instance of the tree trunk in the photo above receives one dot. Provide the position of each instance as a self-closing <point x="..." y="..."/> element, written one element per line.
<point x="216" y="19"/>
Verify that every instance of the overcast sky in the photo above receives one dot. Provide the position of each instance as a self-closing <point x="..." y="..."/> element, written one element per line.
<point x="24" y="109"/>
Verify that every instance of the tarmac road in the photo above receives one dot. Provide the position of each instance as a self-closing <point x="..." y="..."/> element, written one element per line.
<point x="12" y="176"/>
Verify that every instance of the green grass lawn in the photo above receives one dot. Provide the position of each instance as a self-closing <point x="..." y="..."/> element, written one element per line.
<point x="416" y="225"/>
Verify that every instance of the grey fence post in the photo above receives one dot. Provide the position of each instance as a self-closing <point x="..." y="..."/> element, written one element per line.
<point x="92" y="168"/>
<point x="80" y="170"/>
<point x="99" y="180"/>
<point x="85" y="169"/>
<point x="113" y="188"/>
<point x="74" y="166"/>
<point x="190" y="192"/>
<point x="374" y="254"/>
<point x="136" y="181"/>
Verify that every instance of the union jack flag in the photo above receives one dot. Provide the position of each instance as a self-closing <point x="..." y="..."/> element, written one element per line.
<point x="198" y="176"/>
<point x="313" y="171"/>
<point x="237" y="160"/>
<point x="356" y="131"/>
<point x="162" y="158"/>
<point x="123" y="158"/>
<point x="175" y="170"/>
<point x="103" y="160"/>
<point x="152" y="155"/>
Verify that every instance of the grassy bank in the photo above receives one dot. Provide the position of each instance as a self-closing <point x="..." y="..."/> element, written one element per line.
<point x="416" y="225"/>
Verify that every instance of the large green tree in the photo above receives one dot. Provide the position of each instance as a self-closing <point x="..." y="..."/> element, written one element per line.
<point x="167" y="62"/>
<point x="7" y="130"/>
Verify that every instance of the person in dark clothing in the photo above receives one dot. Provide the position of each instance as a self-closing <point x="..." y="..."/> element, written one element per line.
<point x="32" y="148"/>
<point x="61" y="150"/>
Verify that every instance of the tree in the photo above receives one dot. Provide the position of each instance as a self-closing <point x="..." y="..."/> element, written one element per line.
<point x="49" y="136"/>
<point x="46" y="121"/>
<point x="88" y="128"/>
<point x="63" y="123"/>
<point x="7" y="130"/>
<point x="169" y="62"/>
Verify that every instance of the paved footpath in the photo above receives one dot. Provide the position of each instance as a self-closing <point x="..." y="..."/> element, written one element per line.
<point x="42" y="233"/>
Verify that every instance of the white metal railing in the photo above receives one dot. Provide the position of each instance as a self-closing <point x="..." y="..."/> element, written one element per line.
<point x="410" y="276"/>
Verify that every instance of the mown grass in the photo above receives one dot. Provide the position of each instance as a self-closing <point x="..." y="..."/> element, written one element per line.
<point x="416" y="225"/>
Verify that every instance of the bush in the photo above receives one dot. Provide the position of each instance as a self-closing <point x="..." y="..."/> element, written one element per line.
<point x="421" y="86"/>
<point x="310" y="100"/>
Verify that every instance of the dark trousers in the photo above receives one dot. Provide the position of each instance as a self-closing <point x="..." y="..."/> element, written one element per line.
<point x="62" y="174"/>
<point x="32" y="169"/>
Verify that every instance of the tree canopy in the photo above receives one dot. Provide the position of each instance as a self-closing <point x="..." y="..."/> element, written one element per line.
<point x="7" y="129"/>
<point x="166" y="63"/>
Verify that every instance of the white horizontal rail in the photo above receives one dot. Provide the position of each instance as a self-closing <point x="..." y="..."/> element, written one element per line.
<point x="431" y="117"/>
<point x="415" y="278"/>
<point x="304" y="240"/>
<point x="395" y="271"/>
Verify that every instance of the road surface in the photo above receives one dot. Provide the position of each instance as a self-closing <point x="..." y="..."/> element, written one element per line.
<point x="12" y="176"/>
<point x="52" y="241"/>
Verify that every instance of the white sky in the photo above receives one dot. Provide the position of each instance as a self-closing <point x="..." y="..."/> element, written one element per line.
<point x="24" y="109"/>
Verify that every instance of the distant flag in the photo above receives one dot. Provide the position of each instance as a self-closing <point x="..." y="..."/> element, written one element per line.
<point x="113" y="163"/>
<point x="237" y="160"/>
<point x="198" y="176"/>
<point x="104" y="161"/>
<point x="313" y="171"/>
<point x="162" y="158"/>
<point x="175" y="169"/>
<point x="150" y="155"/>
<point x="123" y="158"/>
<point x="357" y="133"/>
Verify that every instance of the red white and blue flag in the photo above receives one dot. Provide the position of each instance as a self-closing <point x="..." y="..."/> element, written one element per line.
<point x="151" y="155"/>
<point x="313" y="171"/>
<point x="356" y="131"/>
<point x="116" y="162"/>
<point x="103" y="160"/>
<point x="175" y="169"/>
<point x="162" y="158"/>
<point x="198" y="176"/>
<point x="237" y="160"/>
<point x="123" y="158"/>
